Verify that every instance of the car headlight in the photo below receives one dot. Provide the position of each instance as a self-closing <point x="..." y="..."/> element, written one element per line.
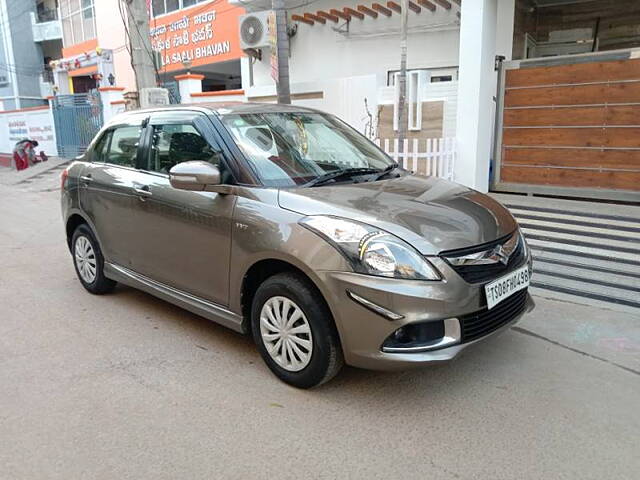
<point x="523" y="241"/>
<point x="371" y="250"/>
<point x="526" y="253"/>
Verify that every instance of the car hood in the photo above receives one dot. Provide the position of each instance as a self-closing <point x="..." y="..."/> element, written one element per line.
<point x="430" y="213"/>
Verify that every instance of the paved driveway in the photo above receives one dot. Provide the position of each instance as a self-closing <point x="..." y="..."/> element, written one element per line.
<point x="128" y="386"/>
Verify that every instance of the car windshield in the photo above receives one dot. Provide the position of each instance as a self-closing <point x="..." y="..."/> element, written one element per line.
<point x="298" y="148"/>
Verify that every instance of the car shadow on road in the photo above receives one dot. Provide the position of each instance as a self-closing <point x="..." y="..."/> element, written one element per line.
<point x="437" y="383"/>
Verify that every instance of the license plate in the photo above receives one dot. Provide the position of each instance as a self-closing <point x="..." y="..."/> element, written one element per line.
<point x="506" y="286"/>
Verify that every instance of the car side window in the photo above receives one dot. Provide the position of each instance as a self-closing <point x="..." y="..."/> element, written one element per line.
<point x="101" y="147"/>
<point x="177" y="143"/>
<point x="123" y="147"/>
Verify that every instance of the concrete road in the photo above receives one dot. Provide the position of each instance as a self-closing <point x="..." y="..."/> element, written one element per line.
<point x="127" y="386"/>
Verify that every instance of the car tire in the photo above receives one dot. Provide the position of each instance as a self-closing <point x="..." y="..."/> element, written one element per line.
<point x="89" y="262"/>
<point x="310" y="359"/>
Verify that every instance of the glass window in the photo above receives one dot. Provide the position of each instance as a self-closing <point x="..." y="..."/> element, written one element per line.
<point x="88" y="24"/>
<point x="78" y="21"/>
<point x="64" y="7"/>
<point x="177" y="143"/>
<point x="124" y="146"/>
<point x="287" y="149"/>
<point x="158" y="7"/>
<point x="67" y="31"/>
<point x="172" y="5"/>
<point x="444" y="74"/>
<point x="76" y="25"/>
<point x="100" y="150"/>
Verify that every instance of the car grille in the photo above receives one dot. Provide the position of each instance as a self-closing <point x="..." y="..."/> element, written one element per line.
<point x="483" y="322"/>
<point x="487" y="272"/>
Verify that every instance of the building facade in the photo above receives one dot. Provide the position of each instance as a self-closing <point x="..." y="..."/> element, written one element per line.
<point x="541" y="95"/>
<point x="345" y="57"/>
<point x="30" y="37"/>
<point x="198" y="36"/>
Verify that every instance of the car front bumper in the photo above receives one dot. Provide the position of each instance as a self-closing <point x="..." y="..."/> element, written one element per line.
<point x="363" y="331"/>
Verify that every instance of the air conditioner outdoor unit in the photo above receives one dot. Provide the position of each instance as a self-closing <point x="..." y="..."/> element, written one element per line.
<point x="153" y="97"/>
<point x="254" y="30"/>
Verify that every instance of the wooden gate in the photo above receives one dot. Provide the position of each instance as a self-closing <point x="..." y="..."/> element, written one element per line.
<point x="570" y="126"/>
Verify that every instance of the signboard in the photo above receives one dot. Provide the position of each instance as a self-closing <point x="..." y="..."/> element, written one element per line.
<point x="203" y="34"/>
<point x="273" y="43"/>
<point x="35" y="124"/>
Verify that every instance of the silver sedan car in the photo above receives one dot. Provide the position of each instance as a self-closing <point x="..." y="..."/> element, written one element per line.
<point x="286" y="224"/>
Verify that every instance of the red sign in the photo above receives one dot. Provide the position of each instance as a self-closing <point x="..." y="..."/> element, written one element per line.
<point x="203" y="34"/>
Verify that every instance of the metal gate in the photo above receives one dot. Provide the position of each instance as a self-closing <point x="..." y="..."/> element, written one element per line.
<point x="570" y="125"/>
<point x="77" y="119"/>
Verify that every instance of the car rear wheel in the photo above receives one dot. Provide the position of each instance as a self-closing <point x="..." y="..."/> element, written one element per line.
<point x="294" y="331"/>
<point x="89" y="262"/>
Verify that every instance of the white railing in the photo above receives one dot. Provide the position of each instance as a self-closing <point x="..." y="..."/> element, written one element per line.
<point x="425" y="156"/>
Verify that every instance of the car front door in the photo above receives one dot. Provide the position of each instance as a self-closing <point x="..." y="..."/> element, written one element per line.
<point x="107" y="189"/>
<point x="184" y="237"/>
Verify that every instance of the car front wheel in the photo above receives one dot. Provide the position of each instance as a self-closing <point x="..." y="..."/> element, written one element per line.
<point x="294" y="331"/>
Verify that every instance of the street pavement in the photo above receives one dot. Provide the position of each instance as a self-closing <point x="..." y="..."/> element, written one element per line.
<point x="126" y="386"/>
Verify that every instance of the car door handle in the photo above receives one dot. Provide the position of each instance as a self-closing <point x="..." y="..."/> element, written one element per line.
<point x="86" y="178"/>
<point x="143" y="192"/>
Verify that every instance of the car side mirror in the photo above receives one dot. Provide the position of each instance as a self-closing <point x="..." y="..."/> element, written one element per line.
<point x="195" y="176"/>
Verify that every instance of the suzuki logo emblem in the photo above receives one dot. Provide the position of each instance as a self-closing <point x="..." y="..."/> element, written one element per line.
<point x="501" y="255"/>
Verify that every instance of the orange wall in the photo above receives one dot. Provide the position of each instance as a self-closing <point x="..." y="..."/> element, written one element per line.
<point x="79" y="48"/>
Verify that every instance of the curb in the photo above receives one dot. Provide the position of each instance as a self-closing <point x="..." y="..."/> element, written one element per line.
<point x="12" y="177"/>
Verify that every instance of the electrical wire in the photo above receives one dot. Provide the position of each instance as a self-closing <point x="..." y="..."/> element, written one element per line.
<point x="144" y="44"/>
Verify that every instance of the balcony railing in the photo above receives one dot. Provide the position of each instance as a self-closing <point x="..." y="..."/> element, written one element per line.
<point x="45" y="30"/>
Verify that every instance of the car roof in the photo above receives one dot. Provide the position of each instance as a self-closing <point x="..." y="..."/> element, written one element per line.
<point x="223" y="108"/>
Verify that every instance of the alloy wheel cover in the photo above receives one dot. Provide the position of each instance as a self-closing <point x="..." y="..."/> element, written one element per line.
<point x="85" y="259"/>
<point x="286" y="333"/>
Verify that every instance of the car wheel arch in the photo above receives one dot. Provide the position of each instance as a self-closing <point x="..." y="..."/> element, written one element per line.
<point x="259" y="272"/>
<point x="75" y="218"/>
<point x="73" y="222"/>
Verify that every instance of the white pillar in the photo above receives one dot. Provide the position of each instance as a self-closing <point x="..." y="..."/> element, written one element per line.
<point x="61" y="80"/>
<point x="52" y="122"/>
<point x="112" y="101"/>
<point x="188" y="84"/>
<point x="476" y="88"/>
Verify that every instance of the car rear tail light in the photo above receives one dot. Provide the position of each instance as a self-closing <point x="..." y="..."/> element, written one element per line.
<point x="63" y="178"/>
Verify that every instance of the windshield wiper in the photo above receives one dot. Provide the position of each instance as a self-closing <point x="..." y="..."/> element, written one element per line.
<point x="388" y="169"/>
<point x="347" y="172"/>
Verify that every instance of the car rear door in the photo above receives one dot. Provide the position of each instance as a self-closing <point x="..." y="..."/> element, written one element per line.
<point x="184" y="237"/>
<point x="108" y="189"/>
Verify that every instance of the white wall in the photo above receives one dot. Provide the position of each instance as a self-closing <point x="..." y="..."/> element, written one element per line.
<point x="111" y="35"/>
<point x="372" y="46"/>
<point x="35" y="124"/>
<point x="348" y="68"/>
<point x="447" y="92"/>
<point x="344" y="97"/>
